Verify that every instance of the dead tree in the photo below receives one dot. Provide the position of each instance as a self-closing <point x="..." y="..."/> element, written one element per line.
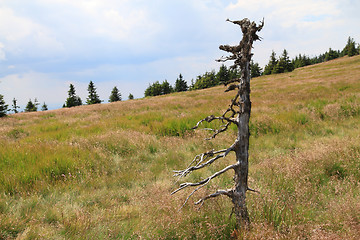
<point x="238" y="113"/>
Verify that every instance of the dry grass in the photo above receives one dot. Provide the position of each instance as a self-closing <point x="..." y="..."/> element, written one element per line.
<point x="104" y="171"/>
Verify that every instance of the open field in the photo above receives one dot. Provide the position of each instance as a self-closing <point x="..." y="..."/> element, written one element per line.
<point x="105" y="171"/>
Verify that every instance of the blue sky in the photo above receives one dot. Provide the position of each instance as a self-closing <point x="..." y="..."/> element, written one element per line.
<point x="47" y="44"/>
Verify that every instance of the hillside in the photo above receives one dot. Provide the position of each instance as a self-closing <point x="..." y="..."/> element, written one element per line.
<point x="105" y="171"/>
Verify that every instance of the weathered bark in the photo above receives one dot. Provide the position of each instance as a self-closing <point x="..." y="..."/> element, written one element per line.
<point x="238" y="113"/>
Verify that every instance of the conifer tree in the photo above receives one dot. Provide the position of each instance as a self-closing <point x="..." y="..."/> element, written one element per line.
<point x="115" y="95"/>
<point x="283" y="64"/>
<point x="148" y="91"/>
<point x="3" y="106"/>
<point x="223" y="75"/>
<point x="350" y="48"/>
<point x="255" y="69"/>
<point x="207" y="80"/>
<point x="180" y="84"/>
<point x="36" y="103"/>
<point x="331" y="54"/>
<point x="166" y="88"/>
<point x="73" y="100"/>
<point x="44" y="107"/>
<point x="30" y="107"/>
<point x="154" y="89"/>
<point x="14" y="106"/>
<point x="288" y="66"/>
<point x="93" y="97"/>
<point x="301" y="61"/>
<point x="272" y="63"/>
<point x="130" y="97"/>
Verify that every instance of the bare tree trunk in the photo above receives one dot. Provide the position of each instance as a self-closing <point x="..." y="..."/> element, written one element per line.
<point x="238" y="113"/>
<point x="242" y="152"/>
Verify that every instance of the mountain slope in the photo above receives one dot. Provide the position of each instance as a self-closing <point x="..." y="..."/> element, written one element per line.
<point x="105" y="171"/>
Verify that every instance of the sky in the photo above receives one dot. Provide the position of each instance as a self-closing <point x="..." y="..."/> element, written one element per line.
<point x="47" y="44"/>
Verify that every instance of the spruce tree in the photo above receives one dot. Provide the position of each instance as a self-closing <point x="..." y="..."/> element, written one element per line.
<point x="3" y="106"/>
<point x="130" y="97"/>
<point x="93" y="97"/>
<point x="14" y="106"/>
<point x="255" y="69"/>
<point x="73" y="100"/>
<point x="166" y="88"/>
<point x="180" y="84"/>
<point x="350" y="48"/>
<point x="157" y="89"/>
<point x="301" y="61"/>
<point x="272" y="63"/>
<point x="223" y="75"/>
<point x="148" y="91"/>
<point x="331" y="54"/>
<point x="298" y="61"/>
<point x="36" y="103"/>
<point x="206" y="81"/>
<point x="283" y="64"/>
<point x="288" y="66"/>
<point x="30" y="107"/>
<point x="115" y="95"/>
<point x="44" y="107"/>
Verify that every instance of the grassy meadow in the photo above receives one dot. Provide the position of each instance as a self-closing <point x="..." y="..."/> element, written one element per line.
<point x="105" y="171"/>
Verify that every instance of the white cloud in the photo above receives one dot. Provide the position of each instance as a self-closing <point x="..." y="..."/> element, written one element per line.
<point x="23" y="36"/>
<point x="124" y="21"/>
<point x="290" y="13"/>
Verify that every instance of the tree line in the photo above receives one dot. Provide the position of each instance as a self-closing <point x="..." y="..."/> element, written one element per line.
<point x="275" y="65"/>
<point x="284" y="64"/>
<point x="30" y="106"/>
<point x="206" y="80"/>
<point x="72" y="100"/>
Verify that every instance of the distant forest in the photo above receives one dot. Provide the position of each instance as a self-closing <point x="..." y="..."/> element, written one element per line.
<point x="213" y="78"/>
<point x="275" y="65"/>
